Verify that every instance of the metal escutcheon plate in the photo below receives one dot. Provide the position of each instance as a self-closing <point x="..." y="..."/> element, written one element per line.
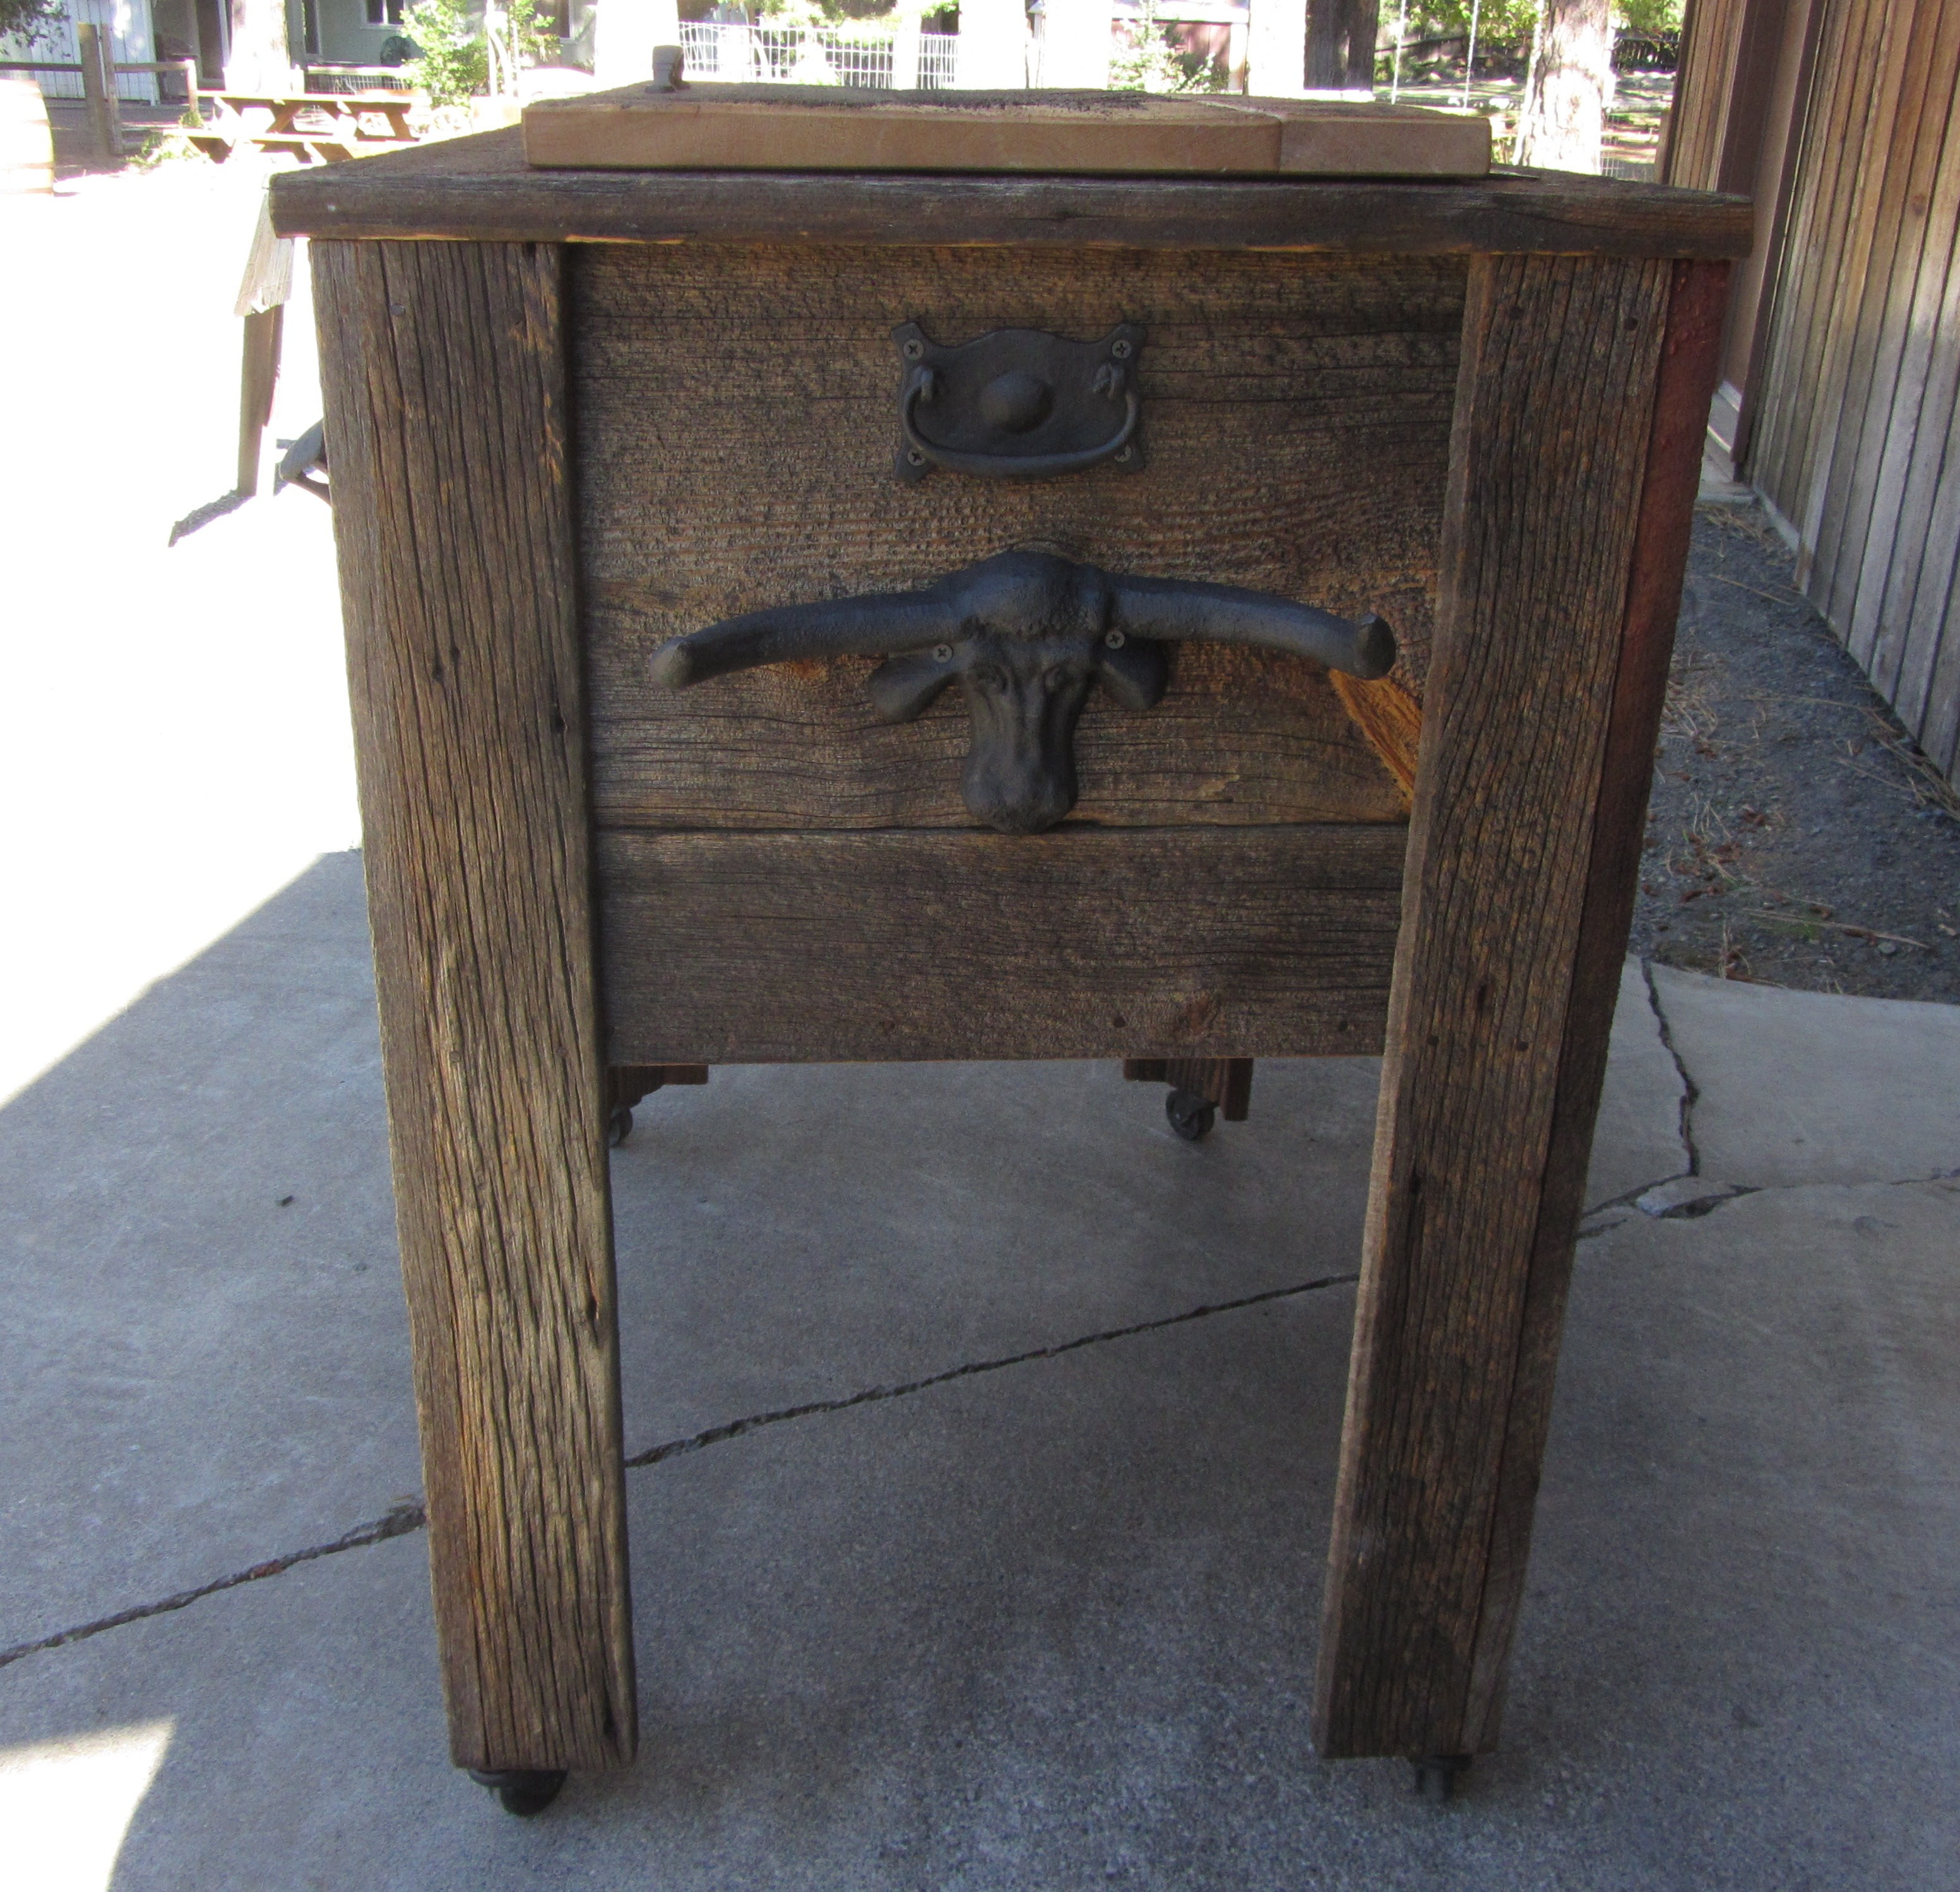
<point x="1018" y="403"/>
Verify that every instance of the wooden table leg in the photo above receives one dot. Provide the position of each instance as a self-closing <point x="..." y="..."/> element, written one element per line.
<point x="1584" y="388"/>
<point x="445" y="407"/>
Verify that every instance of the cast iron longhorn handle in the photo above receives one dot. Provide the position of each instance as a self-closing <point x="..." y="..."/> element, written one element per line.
<point x="1026" y="635"/>
<point x="1012" y="465"/>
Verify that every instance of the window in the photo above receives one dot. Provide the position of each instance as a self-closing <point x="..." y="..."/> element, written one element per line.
<point x="384" y="13"/>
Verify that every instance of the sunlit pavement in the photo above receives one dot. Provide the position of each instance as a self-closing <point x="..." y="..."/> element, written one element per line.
<point x="175" y="744"/>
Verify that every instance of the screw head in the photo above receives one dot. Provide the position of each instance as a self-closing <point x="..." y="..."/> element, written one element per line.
<point x="942" y="653"/>
<point x="913" y="457"/>
<point x="1114" y="639"/>
<point x="915" y="350"/>
<point x="1120" y="351"/>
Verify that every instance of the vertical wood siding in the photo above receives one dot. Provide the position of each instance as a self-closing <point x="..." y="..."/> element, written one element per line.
<point x="1711" y="37"/>
<point x="1858" y="444"/>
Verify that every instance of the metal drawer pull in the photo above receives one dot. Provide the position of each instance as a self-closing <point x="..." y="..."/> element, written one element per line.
<point x="1025" y="634"/>
<point x="1018" y="403"/>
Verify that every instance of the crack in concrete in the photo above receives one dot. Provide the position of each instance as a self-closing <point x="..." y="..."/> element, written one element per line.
<point x="1691" y="1091"/>
<point x="1597" y="1222"/>
<point x="412" y="1516"/>
<point x="403" y="1518"/>
<point x="871" y="1395"/>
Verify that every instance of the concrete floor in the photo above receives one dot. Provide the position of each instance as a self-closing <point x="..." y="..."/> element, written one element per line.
<point x="1047" y="1623"/>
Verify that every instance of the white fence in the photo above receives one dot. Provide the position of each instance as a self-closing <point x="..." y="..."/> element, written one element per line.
<point x="125" y="23"/>
<point x="340" y="76"/>
<point x="810" y="56"/>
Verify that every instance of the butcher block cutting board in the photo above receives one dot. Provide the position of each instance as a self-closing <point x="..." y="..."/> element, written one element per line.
<point x="806" y="128"/>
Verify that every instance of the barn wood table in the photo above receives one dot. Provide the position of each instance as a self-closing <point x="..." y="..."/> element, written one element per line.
<point x="574" y="414"/>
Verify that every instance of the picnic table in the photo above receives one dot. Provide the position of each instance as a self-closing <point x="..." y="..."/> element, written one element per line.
<point x="354" y="119"/>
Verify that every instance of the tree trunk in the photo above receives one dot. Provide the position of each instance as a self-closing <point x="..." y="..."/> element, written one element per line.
<point x="261" y="60"/>
<point x="993" y="46"/>
<point x="1565" y="116"/>
<point x="624" y="40"/>
<point x="1276" y="49"/>
<point x="1075" y="44"/>
<point x="1340" y="45"/>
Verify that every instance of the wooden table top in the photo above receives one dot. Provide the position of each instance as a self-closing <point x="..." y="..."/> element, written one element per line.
<point x="480" y="187"/>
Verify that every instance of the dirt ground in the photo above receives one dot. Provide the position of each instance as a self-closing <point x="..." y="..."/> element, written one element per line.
<point x="1796" y="836"/>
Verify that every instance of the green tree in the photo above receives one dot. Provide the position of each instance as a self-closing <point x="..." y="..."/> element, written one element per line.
<point x="30" y="20"/>
<point x="452" y="62"/>
<point x="1153" y="62"/>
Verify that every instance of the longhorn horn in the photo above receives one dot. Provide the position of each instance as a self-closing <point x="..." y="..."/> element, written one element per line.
<point x="1172" y="608"/>
<point x="834" y="626"/>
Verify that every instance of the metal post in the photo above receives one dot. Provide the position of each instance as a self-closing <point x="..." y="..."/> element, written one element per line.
<point x="98" y="92"/>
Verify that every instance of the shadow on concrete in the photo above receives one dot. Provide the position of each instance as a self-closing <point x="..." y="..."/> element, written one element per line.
<point x="1050" y="1624"/>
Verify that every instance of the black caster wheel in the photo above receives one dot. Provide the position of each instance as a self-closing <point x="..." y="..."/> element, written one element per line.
<point x="525" y="1792"/>
<point x="1191" y="1116"/>
<point x="618" y="1126"/>
<point x="1436" y="1776"/>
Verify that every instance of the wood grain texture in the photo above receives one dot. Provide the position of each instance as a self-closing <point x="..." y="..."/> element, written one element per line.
<point x="1690" y="352"/>
<point x="1227" y="1081"/>
<point x="443" y="371"/>
<point x="480" y="188"/>
<point x="1855" y="414"/>
<point x="1550" y="464"/>
<point x="1855" y="537"/>
<point x="1693" y="139"/>
<point x="1315" y="391"/>
<point x="801" y="128"/>
<point x="754" y="949"/>
<point x="1922" y="498"/>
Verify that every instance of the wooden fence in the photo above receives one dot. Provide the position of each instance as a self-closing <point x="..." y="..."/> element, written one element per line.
<point x="1854" y="388"/>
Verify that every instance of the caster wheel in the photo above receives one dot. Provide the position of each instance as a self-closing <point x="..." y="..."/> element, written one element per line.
<point x="1191" y="1117"/>
<point x="619" y="1126"/>
<point x="1436" y="1776"/>
<point x="526" y="1793"/>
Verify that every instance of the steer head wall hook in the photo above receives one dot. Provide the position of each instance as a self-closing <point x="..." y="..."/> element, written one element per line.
<point x="1026" y="635"/>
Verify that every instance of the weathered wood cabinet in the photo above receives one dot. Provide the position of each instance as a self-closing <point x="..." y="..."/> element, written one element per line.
<point x="572" y="414"/>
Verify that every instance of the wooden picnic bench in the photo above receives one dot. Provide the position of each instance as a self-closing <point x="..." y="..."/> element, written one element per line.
<point x="351" y="117"/>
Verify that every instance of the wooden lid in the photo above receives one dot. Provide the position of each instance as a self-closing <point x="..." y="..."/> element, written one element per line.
<point x="805" y="128"/>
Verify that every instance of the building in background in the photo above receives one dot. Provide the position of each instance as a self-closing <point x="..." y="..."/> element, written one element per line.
<point x="132" y="37"/>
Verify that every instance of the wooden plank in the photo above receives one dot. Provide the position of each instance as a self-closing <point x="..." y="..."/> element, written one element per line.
<point x="1911" y="617"/>
<point x="480" y="188"/>
<point x="761" y="949"/>
<point x="801" y="128"/>
<point x="1807" y="315"/>
<point x="1874" y="617"/>
<point x="444" y="376"/>
<point x="1868" y="119"/>
<point x="259" y="375"/>
<point x="1227" y="1082"/>
<point x="1915" y="694"/>
<point x="1826" y="171"/>
<point x="1549" y="466"/>
<point x="1697" y="307"/>
<point x="1879" y="410"/>
<point x="1711" y="35"/>
<point x="1241" y="738"/>
<point x="1317" y="390"/>
<point x="1938" y="732"/>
